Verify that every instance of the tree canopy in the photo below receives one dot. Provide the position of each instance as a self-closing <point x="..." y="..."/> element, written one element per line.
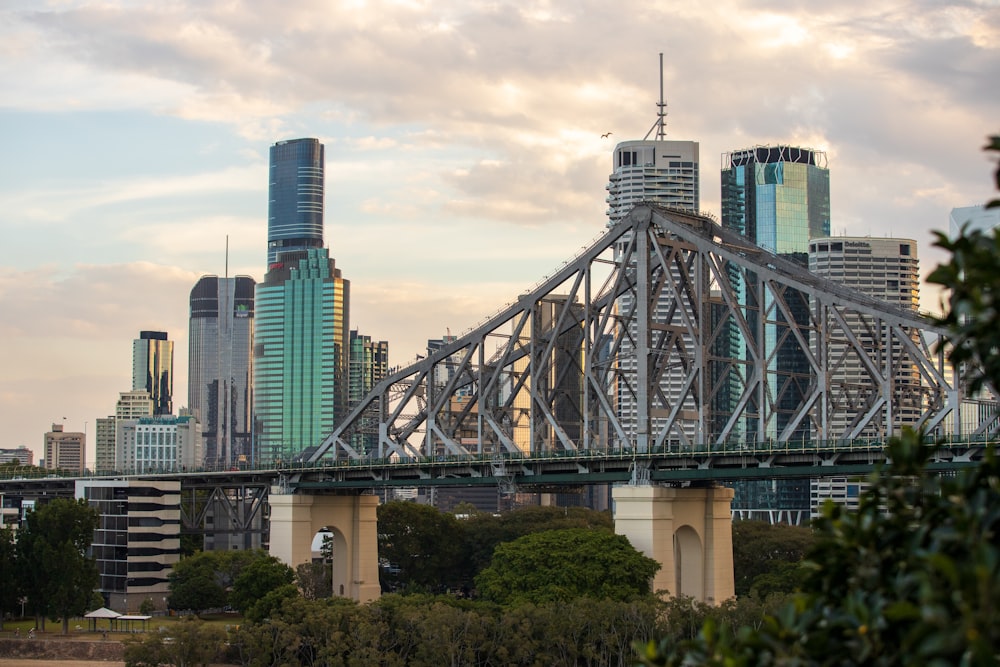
<point x="767" y="557"/>
<point x="561" y="565"/>
<point x="57" y="575"/>
<point x="422" y="544"/>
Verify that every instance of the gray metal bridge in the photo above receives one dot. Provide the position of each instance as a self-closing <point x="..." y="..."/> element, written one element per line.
<point x="670" y="350"/>
<point x="672" y="339"/>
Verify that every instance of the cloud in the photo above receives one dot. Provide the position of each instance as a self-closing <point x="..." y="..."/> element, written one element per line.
<point x="464" y="158"/>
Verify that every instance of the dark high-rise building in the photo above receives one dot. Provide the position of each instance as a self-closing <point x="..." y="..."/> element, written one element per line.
<point x="153" y="369"/>
<point x="295" y="197"/>
<point x="369" y="364"/>
<point x="220" y="366"/>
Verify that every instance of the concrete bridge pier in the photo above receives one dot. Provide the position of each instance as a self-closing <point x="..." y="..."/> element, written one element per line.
<point x="295" y="520"/>
<point x="688" y="530"/>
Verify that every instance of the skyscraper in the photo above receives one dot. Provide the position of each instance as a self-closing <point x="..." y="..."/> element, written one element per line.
<point x="153" y="369"/>
<point x="369" y="364"/>
<point x="220" y="366"/>
<point x="300" y="354"/>
<point x="668" y="173"/>
<point x="295" y="197"/>
<point x="779" y="198"/>
<point x="654" y="170"/>
<point x="887" y="269"/>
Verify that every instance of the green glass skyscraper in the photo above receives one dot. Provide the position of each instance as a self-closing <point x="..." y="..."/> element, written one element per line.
<point x="301" y="348"/>
<point x="779" y="198"/>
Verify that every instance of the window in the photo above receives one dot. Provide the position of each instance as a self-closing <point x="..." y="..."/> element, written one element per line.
<point x="904" y="249"/>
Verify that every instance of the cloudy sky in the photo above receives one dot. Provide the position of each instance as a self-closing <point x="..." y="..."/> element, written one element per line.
<point x="464" y="157"/>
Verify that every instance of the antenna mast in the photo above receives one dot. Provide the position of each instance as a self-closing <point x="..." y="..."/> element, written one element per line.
<point x="227" y="255"/>
<point x="661" y="115"/>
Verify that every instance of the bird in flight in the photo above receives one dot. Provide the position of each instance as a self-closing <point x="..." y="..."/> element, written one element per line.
<point x="605" y="135"/>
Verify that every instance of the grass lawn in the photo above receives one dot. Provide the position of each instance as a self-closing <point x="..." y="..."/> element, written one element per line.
<point x="79" y="628"/>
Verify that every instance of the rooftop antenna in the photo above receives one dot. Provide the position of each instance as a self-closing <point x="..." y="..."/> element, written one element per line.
<point x="227" y="255"/>
<point x="661" y="115"/>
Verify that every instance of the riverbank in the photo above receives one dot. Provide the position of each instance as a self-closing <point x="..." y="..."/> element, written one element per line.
<point x="79" y="651"/>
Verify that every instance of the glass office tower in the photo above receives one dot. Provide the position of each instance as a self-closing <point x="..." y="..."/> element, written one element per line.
<point x="220" y="365"/>
<point x="369" y="364"/>
<point x="153" y="369"/>
<point x="295" y="197"/>
<point x="301" y="347"/>
<point x="779" y="198"/>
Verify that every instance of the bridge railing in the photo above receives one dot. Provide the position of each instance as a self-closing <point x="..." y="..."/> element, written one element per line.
<point x="736" y="449"/>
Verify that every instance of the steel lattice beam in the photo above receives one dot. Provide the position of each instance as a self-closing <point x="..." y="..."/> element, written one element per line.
<point x="666" y="333"/>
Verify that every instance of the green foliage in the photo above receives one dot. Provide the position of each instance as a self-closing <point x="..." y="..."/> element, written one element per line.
<point x="972" y="285"/>
<point x="430" y="631"/>
<point x="204" y="580"/>
<point x="54" y="539"/>
<point x="994" y="145"/>
<point x="315" y="580"/>
<point x="766" y="557"/>
<point x="147" y="607"/>
<point x="484" y="531"/>
<point x="10" y="589"/>
<point x="257" y="579"/>
<point x="912" y="577"/>
<point x="195" y="582"/>
<point x="186" y="644"/>
<point x="561" y="565"/>
<point x="423" y="543"/>
<point x="263" y="607"/>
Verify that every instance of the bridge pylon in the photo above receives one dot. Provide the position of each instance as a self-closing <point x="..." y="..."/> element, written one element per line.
<point x="295" y="520"/>
<point x="688" y="530"/>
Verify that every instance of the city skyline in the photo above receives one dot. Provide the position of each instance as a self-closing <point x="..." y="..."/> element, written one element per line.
<point x="464" y="154"/>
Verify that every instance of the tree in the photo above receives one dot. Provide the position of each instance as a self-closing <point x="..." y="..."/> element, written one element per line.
<point x="560" y="565"/>
<point x="485" y="531"/>
<point x="422" y="544"/>
<point x="315" y="580"/>
<point x="58" y="576"/>
<point x="204" y="580"/>
<point x="185" y="644"/>
<point x="195" y="582"/>
<point x="9" y="586"/>
<point x="769" y="555"/>
<point x="257" y="580"/>
<point x="912" y="577"/>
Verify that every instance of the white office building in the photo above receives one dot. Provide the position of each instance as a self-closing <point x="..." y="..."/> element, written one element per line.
<point x="886" y="269"/>
<point x="159" y="444"/>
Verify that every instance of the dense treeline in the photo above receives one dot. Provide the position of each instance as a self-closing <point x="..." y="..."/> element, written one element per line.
<point x="550" y="586"/>
<point x="422" y="630"/>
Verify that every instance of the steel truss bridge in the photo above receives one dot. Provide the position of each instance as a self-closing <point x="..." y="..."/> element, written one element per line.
<point x="670" y="350"/>
<point x="668" y="338"/>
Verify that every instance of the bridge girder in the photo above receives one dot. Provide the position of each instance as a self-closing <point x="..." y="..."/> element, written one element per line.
<point x="666" y="333"/>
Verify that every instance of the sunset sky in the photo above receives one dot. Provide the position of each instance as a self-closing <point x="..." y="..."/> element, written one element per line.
<point x="464" y="157"/>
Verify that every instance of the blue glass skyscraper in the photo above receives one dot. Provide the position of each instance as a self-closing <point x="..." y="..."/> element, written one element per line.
<point x="295" y="197"/>
<point x="779" y="198"/>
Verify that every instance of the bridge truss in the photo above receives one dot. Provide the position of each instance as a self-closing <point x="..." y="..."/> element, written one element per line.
<point x="669" y="333"/>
